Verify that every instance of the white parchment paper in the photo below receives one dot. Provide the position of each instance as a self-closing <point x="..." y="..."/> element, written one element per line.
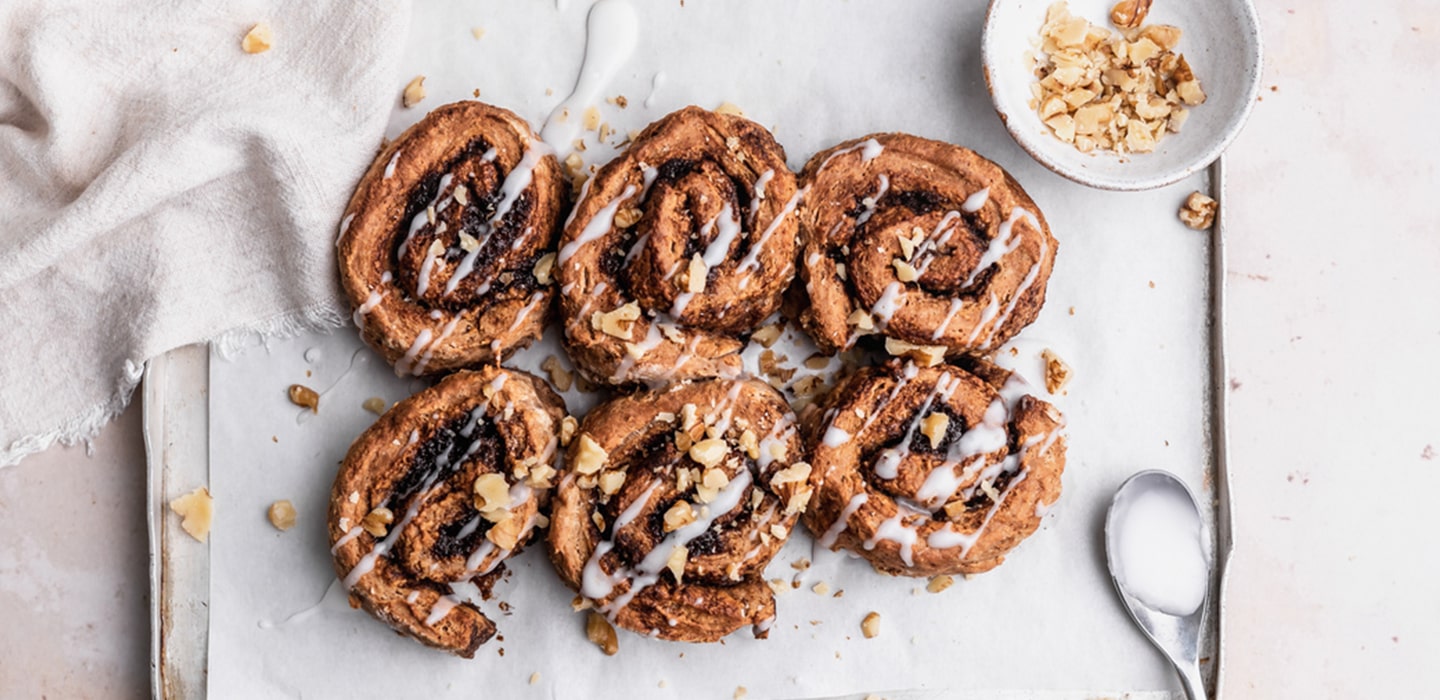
<point x="1127" y="308"/>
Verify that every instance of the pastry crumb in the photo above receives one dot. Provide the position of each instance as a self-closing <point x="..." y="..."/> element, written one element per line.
<point x="730" y="108"/>
<point x="258" y="40"/>
<point x="374" y="404"/>
<point x="414" y="92"/>
<point x="196" y="510"/>
<point x="559" y="376"/>
<point x="1198" y="211"/>
<point x="282" y="515"/>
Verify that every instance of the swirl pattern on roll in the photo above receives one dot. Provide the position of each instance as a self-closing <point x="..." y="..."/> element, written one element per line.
<point x="674" y="501"/>
<point x="920" y="241"/>
<point x="678" y="249"/>
<point x="444" y="247"/>
<point x="437" y="494"/>
<point x="933" y="470"/>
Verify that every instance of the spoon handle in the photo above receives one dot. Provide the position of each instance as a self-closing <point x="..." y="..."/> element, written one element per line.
<point x="1190" y="679"/>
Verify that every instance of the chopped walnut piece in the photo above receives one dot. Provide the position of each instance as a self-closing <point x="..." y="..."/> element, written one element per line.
<point x="540" y="476"/>
<point x="870" y="626"/>
<point x="618" y="322"/>
<point x="696" y="275"/>
<point x="599" y="631"/>
<point x="1198" y="211"/>
<point x="534" y="678"/>
<point x="795" y="473"/>
<point x="414" y="91"/>
<point x="196" y="510"/>
<point x="559" y="376"/>
<point x="568" y="425"/>
<point x="679" y="515"/>
<point x="1057" y="372"/>
<point x="374" y="404"/>
<point x="708" y="452"/>
<point x="1114" y="91"/>
<point x="1129" y="13"/>
<point x="904" y="271"/>
<point x="479" y="32"/>
<point x="592" y="118"/>
<point x="627" y="217"/>
<point x="799" y="501"/>
<point x="925" y="355"/>
<point x="506" y="533"/>
<point x="729" y="108"/>
<point x="544" y="267"/>
<point x="934" y="427"/>
<point x="589" y="456"/>
<point x="749" y="444"/>
<point x="611" y="481"/>
<point x="821" y="588"/>
<point x="282" y="515"/>
<point x="939" y="583"/>
<point x="377" y="522"/>
<point x="258" y="40"/>
<point x="766" y="335"/>
<point x="676" y="562"/>
<point x="955" y="510"/>
<point x="492" y="496"/>
<point x="305" y="397"/>
<point x="861" y="319"/>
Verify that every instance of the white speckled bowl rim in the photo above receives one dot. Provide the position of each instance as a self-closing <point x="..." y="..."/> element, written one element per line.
<point x="1221" y="40"/>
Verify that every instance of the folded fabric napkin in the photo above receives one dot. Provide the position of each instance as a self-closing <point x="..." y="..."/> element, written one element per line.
<point x="159" y="186"/>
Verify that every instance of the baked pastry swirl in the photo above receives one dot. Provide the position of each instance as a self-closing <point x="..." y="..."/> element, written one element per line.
<point x="678" y="249"/>
<point x="434" y="496"/>
<point x="443" y="247"/>
<point x="672" y="502"/>
<point x="922" y="242"/>
<point x="933" y="470"/>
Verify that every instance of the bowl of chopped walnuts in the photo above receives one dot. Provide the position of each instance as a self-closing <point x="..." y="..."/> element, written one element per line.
<point x="1128" y="95"/>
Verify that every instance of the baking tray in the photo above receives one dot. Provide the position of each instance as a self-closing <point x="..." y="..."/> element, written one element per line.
<point x="177" y="414"/>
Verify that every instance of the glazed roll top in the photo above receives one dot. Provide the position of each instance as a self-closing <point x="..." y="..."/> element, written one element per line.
<point x="922" y="242"/>
<point x="673" y="503"/>
<point x="677" y="250"/>
<point x="445" y="247"/>
<point x="933" y="470"/>
<point x="437" y="494"/>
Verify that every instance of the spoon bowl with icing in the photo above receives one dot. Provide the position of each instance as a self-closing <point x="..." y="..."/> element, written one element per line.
<point x="1156" y="549"/>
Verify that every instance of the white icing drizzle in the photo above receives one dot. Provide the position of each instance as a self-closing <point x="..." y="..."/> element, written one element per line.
<point x="759" y="198"/>
<point x="944" y="231"/>
<point x="403" y="366"/>
<point x="835" y="437"/>
<point x="345" y="539"/>
<point x="516" y="182"/>
<point x="888" y="303"/>
<point x="1004" y="242"/>
<point x="991" y="311"/>
<point x="611" y="31"/>
<point x="595" y="583"/>
<point x="344" y="226"/>
<point x="390" y="167"/>
<point x="598" y="226"/>
<point x="372" y="300"/>
<point x="1019" y="291"/>
<point x="653" y="339"/>
<point x="973" y="203"/>
<point x="895" y="530"/>
<point x="869" y="150"/>
<point x="520" y="317"/>
<point x="827" y="540"/>
<point x="445" y="332"/>
<point x="423" y="216"/>
<point x="656" y="81"/>
<point x="873" y="201"/>
<point x="442" y="607"/>
<point x="955" y="305"/>
<point x="583" y="317"/>
<point x="888" y="464"/>
<point x="751" y="259"/>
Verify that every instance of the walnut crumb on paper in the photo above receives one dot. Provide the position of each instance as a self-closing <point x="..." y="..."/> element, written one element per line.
<point x="196" y="510"/>
<point x="477" y="32"/>
<point x="1198" y="211"/>
<point x="414" y="91"/>
<point x="870" y="626"/>
<point x="258" y="40"/>
<point x="600" y="632"/>
<point x="1057" y="372"/>
<point x="304" y="397"/>
<point x="282" y="515"/>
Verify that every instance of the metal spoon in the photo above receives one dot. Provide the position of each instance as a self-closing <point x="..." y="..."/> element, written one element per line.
<point x="1177" y="637"/>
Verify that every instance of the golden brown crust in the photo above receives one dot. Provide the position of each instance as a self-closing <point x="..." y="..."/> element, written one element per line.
<point x="421" y="462"/>
<point x="890" y="247"/>
<point x="733" y="527"/>
<point x="933" y="470"/>
<point x="458" y="290"/>
<point x="693" y="185"/>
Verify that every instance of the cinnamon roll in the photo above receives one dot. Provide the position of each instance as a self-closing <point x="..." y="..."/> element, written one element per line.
<point x="443" y="248"/>
<point x="922" y="242"/>
<point x="933" y="470"/>
<point x="672" y="502"/>
<point x="677" y="250"/>
<point x="435" y="496"/>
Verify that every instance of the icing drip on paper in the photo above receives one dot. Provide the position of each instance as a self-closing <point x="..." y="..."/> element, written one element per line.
<point x="611" y="31"/>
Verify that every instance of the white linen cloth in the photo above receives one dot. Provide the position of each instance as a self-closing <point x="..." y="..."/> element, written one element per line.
<point x="160" y="187"/>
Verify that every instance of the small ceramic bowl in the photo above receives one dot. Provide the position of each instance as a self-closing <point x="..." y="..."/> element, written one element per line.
<point x="1220" y="40"/>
